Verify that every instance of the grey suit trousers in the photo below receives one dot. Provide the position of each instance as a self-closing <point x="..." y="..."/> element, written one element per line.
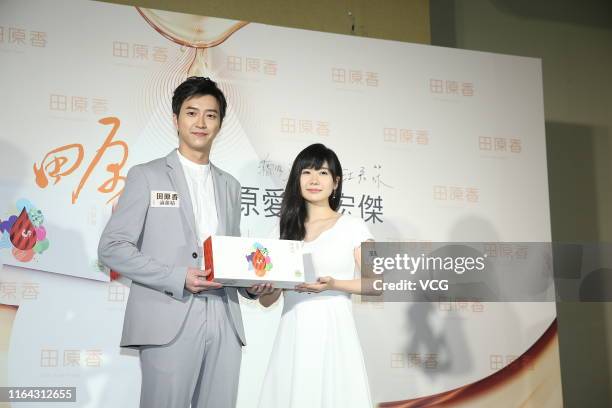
<point x="200" y="366"/>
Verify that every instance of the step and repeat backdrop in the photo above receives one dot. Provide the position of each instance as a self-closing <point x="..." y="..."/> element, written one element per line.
<point x="436" y="144"/>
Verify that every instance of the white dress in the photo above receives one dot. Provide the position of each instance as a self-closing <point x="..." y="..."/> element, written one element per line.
<point x="316" y="361"/>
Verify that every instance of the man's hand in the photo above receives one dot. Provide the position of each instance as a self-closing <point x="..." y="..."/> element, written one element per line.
<point x="260" y="290"/>
<point x="196" y="282"/>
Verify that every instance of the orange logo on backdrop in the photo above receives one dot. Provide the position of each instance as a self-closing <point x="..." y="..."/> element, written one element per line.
<point x="58" y="163"/>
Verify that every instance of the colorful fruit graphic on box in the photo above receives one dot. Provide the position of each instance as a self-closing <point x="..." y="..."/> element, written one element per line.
<point x="259" y="259"/>
<point x="24" y="234"/>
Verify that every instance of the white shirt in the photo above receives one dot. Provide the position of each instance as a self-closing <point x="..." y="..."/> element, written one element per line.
<point x="202" y="193"/>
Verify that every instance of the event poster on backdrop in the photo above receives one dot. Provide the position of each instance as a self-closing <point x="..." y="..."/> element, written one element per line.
<point x="436" y="144"/>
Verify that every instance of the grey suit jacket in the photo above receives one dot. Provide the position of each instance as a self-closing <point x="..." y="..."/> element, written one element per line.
<point x="154" y="246"/>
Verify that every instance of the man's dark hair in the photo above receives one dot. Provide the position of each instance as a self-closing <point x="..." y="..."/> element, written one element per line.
<point x="198" y="86"/>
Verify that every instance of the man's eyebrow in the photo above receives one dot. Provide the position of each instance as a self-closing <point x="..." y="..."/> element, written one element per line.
<point x="205" y="110"/>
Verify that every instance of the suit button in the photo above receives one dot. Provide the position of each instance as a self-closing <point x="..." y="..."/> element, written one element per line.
<point x="194" y="255"/>
<point x="167" y="292"/>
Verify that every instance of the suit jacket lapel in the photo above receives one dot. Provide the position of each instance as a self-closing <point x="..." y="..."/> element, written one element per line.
<point x="177" y="177"/>
<point x="220" y="186"/>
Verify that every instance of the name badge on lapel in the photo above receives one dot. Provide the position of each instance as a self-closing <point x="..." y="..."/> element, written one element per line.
<point x="164" y="199"/>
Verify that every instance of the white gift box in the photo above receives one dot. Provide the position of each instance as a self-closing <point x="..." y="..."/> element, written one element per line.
<point x="240" y="261"/>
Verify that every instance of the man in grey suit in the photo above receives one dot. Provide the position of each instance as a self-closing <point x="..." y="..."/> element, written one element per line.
<point x="189" y="330"/>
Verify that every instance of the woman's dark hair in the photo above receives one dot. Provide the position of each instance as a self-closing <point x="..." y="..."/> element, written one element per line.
<point x="293" y="206"/>
<point x="198" y="86"/>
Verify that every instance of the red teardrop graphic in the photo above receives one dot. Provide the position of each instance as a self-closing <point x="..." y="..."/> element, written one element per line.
<point x="23" y="234"/>
<point x="259" y="263"/>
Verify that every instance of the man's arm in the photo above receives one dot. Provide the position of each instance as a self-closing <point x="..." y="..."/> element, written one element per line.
<point x="118" y="244"/>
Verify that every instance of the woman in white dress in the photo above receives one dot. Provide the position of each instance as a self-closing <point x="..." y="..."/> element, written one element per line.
<point x="316" y="360"/>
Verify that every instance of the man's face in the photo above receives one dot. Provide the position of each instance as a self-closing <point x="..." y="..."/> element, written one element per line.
<point x="198" y="123"/>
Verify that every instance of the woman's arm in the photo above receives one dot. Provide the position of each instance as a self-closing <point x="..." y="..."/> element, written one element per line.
<point x="355" y="286"/>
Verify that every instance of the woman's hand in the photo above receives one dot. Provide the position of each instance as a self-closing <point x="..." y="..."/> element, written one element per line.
<point x="323" y="283"/>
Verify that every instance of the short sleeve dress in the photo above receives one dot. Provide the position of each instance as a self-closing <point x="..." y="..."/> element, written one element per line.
<point x="317" y="360"/>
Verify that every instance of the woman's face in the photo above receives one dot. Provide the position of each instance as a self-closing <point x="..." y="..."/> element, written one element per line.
<point x="317" y="185"/>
